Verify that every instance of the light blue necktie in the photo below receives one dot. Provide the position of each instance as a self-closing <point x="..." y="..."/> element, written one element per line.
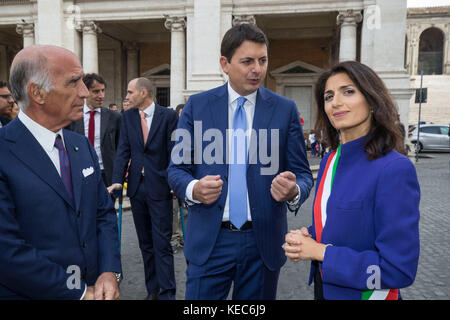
<point x="238" y="168"/>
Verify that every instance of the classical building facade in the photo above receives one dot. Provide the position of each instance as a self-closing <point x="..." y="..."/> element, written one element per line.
<point x="176" y="43"/>
<point x="428" y="53"/>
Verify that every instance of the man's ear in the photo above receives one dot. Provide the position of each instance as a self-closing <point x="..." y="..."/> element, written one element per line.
<point x="224" y="64"/>
<point x="36" y="93"/>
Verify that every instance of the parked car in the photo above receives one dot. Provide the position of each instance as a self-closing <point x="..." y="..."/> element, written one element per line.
<point x="431" y="137"/>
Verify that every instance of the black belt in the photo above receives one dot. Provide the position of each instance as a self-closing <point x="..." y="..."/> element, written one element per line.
<point x="229" y="225"/>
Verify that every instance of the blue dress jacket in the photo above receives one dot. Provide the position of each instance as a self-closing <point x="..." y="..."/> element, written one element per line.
<point x="372" y="223"/>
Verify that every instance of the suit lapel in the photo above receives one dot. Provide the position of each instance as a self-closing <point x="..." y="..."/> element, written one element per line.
<point x="218" y="105"/>
<point x="264" y="109"/>
<point x="75" y="169"/>
<point x="104" y="119"/>
<point x="156" y="122"/>
<point x="79" y="126"/>
<point x="30" y="152"/>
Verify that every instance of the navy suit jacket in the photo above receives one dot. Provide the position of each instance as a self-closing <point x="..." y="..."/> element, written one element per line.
<point x="42" y="231"/>
<point x="372" y="220"/>
<point x="154" y="156"/>
<point x="268" y="216"/>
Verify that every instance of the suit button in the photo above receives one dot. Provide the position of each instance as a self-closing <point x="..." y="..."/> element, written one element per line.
<point x="220" y="207"/>
<point x="84" y="244"/>
<point x="79" y="214"/>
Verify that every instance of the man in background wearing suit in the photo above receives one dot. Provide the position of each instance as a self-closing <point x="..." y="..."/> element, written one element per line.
<point x="100" y="125"/>
<point x="237" y="213"/>
<point x="58" y="228"/>
<point x="6" y="104"/>
<point x="145" y="137"/>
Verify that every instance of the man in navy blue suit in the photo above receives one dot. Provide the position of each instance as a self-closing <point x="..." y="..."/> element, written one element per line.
<point x="58" y="227"/>
<point x="238" y="194"/>
<point x="145" y="138"/>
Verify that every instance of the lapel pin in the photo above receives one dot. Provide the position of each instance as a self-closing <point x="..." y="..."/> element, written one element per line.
<point x="75" y="148"/>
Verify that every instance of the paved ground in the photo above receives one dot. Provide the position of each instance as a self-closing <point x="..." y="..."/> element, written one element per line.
<point x="433" y="276"/>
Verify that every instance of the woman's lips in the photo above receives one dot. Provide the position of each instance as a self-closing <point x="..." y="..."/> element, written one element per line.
<point x="340" y="114"/>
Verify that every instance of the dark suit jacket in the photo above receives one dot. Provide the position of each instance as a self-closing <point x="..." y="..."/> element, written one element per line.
<point x="268" y="216"/>
<point x="42" y="231"/>
<point x="109" y="138"/>
<point x="4" y="121"/>
<point x="154" y="156"/>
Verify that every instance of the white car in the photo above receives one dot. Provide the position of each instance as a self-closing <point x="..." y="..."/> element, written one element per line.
<point x="431" y="137"/>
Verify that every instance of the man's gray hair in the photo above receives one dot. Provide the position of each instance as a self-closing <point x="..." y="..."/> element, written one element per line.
<point x="28" y="71"/>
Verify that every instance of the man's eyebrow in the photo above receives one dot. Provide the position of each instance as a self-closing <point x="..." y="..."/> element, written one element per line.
<point x="73" y="79"/>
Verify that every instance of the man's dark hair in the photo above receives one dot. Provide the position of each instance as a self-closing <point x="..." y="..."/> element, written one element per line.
<point x="112" y="104"/>
<point x="89" y="79"/>
<point x="234" y="37"/>
<point x="384" y="134"/>
<point x="3" y="84"/>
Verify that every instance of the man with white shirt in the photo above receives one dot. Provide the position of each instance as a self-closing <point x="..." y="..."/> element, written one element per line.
<point x="99" y="124"/>
<point x="237" y="213"/>
<point x="145" y="138"/>
<point x="58" y="228"/>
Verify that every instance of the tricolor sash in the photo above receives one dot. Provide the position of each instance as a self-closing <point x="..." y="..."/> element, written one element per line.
<point x="323" y="193"/>
<point x="320" y="218"/>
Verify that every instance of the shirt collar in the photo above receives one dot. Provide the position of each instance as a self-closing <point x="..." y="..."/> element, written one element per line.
<point x="45" y="137"/>
<point x="233" y="95"/>
<point x="86" y="109"/>
<point x="150" y="110"/>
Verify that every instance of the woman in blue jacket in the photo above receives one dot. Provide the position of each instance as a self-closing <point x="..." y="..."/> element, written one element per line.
<point x="364" y="241"/>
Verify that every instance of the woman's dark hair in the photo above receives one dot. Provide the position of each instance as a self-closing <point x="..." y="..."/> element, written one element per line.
<point x="384" y="134"/>
<point x="234" y="37"/>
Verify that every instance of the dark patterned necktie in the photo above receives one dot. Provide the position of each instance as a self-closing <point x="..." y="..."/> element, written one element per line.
<point x="64" y="165"/>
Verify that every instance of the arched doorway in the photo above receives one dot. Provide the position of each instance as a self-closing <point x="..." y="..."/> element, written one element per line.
<point x="431" y="51"/>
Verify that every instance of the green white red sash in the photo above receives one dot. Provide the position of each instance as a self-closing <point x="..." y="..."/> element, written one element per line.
<point x="383" y="294"/>
<point x="323" y="193"/>
<point x="320" y="218"/>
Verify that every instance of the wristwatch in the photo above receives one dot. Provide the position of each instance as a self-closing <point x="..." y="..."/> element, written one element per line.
<point x="118" y="277"/>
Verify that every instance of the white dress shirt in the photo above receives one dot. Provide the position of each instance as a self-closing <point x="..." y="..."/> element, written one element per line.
<point x="45" y="137"/>
<point x="97" y="116"/>
<point x="249" y="107"/>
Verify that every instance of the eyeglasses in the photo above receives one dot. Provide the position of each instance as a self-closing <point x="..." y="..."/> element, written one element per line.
<point x="6" y="96"/>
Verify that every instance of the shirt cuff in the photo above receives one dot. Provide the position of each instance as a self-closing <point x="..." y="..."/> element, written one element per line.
<point x="189" y="191"/>
<point x="84" y="293"/>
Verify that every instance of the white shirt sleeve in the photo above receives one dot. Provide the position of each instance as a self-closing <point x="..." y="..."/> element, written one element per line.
<point x="190" y="190"/>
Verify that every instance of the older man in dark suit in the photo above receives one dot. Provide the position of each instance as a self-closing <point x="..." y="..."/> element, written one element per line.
<point x="58" y="228"/>
<point x="100" y="125"/>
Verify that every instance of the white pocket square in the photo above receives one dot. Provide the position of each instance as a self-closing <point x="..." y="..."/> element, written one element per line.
<point x="88" y="171"/>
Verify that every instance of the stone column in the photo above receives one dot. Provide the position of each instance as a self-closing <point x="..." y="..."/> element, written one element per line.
<point x="177" y="25"/>
<point x="204" y="39"/>
<point x="90" y="46"/>
<point x="348" y="20"/>
<point x="132" y="60"/>
<point x="50" y="22"/>
<point x="27" y="30"/>
<point x="447" y="49"/>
